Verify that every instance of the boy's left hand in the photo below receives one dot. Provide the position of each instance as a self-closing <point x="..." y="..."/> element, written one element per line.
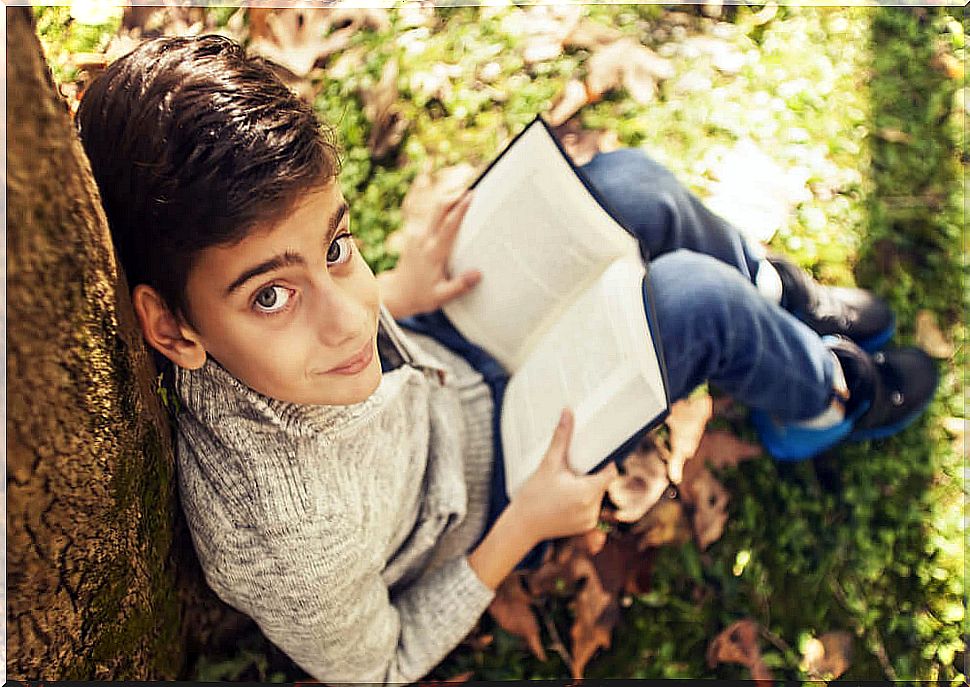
<point x="421" y="282"/>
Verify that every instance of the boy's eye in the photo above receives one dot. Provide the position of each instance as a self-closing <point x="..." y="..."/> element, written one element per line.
<point x="341" y="249"/>
<point x="272" y="299"/>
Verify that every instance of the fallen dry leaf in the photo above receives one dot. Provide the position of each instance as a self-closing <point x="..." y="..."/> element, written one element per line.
<point x="512" y="610"/>
<point x="541" y="49"/>
<point x="544" y="28"/>
<point x="569" y="102"/>
<point x="583" y="144"/>
<point x="665" y="523"/>
<point x="640" y="486"/>
<point x="603" y="568"/>
<point x="956" y="427"/>
<point x="460" y="677"/>
<point x="596" y="612"/>
<point x="686" y="422"/>
<point x="590" y="34"/>
<point x="894" y="135"/>
<point x="930" y="338"/>
<point x="765" y="14"/>
<point x="709" y="500"/>
<point x="478" y="642"/>
<point x="300" y="37"/>
<point x="594" y="540"/>
<point x="348" y="63"/>
<point x="949" y="64"/>
<point x="626" y="63"/>
<point x="294" y="38"/>
<point x="828" y="656"/>
<point x="738" y="643"/>
<point x="720" y="449"/>
<point x="436" y="82"/>
<point x="381" y="110"/>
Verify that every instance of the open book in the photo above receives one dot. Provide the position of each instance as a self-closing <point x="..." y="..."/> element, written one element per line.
<point x="563" y="304"/>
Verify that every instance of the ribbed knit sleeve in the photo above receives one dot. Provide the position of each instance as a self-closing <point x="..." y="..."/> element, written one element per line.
<point x="325" y="604"/>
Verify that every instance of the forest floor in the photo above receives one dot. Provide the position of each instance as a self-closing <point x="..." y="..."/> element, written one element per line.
<point x="835" y="135"/>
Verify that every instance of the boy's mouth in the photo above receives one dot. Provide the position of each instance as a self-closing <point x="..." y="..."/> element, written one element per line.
<point x="357" y="362"/>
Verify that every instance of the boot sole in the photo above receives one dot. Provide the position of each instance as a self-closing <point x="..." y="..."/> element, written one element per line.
<point x="874" y="343"/>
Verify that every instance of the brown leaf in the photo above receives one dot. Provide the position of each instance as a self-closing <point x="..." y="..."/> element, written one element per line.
<point x="541" y="49"/>
<point x="597" y="611"/>
<point x="709" y="499"/>
<point x="298" y="38"/>
<point x="583" y="144"/>
<point x="380" y="108"/>
<point x="894" y="135"/>
<point x="479" y="642"/>
<point x="720" y="449"/>
<point x="569" y="102"/>
<point x="640" y="486"/>
<point x="594" y="540"/>
<point x="348" y="63"/>
<point x="949" y="64"/>
<point x="628" y="64"/>
<point x="930" y="338"/>
<point x="765" y="14"/>
<point x="828" y="656"/>
<point x="665" y="523"/>
<point x="723" y="406"/>
<point x="436" y="82"/>
<point x="294" y="38"/>
<point x="686" y="422"/>
<point x="606" y="567"/>
<point x="460" y="677"/>
<point x="738" y="643"/>
<point x="512" y="610"/>
<point x="591" y="34"/>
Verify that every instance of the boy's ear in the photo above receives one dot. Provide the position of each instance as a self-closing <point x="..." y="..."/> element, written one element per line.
<point x="172" y="338"/>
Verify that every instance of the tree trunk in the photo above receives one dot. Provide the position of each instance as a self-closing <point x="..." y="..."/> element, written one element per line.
<point x="100" y="573"/>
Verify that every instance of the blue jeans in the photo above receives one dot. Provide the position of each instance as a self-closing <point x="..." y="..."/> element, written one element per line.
<point x="714" y="325"/>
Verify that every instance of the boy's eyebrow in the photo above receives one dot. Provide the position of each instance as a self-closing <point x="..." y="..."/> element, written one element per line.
<point x="286" y="259"/>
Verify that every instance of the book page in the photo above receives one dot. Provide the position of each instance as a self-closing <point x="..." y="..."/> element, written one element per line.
<point x="598" y="359"/>
<point x="539" y="237"/>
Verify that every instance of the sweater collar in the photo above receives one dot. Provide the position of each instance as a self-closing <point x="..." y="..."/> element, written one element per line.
<point x="212" y="393"/>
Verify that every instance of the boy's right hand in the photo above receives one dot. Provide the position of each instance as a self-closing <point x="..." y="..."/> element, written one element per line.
<point x="556" y="502"/>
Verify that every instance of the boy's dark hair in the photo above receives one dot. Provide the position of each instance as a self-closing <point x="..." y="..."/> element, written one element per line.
<point x="193" y="144"/>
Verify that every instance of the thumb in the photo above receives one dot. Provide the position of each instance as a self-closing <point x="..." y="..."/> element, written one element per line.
<point x="559" y="446"/>
<point x="607" y="474"/>
<point x="455" y="287"/>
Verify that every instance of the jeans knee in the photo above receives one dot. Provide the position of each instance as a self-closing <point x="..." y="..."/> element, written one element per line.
<point x="703" y="296"/>
<point x="632" y="169"/>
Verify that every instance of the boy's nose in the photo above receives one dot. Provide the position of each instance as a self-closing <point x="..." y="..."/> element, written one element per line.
<point x="340" y="321"/>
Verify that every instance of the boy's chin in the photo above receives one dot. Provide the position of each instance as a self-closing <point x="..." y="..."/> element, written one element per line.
<point x="351" y="391"/>
<point x="363" y="393"/>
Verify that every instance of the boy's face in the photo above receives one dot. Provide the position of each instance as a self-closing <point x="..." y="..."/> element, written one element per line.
<point x="292" y="312"/>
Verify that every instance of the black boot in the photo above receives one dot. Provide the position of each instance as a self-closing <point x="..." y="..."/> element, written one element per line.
<point x="855" y="313"/>
<point x="887" y="390"/>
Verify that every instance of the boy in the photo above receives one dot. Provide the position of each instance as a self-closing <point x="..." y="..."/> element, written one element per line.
<point x="336" y="471"/>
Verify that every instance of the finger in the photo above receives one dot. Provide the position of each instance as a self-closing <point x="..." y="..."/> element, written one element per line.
<point x="455" y="287"/>
<point x="559" y="446"/>
<point x="446" y="202"/>
<point x="448" y="228"/>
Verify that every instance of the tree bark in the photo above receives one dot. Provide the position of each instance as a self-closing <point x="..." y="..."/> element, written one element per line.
<point x="100" y="572"/>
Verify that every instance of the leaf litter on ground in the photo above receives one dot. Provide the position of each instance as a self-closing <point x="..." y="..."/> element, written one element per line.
<point x="598" y="569"/>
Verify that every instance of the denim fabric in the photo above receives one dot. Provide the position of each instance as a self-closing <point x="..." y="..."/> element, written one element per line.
<point x="713" y="323"/>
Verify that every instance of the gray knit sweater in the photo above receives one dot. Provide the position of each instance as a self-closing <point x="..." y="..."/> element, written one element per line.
<point x="343" y="530"/>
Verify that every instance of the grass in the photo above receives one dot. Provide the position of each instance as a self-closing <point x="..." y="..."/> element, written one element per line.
<point x="869" y="538"/>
